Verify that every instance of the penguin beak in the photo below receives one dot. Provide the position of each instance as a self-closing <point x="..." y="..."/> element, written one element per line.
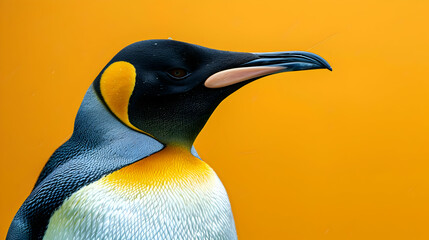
<point x="266" y="64"/>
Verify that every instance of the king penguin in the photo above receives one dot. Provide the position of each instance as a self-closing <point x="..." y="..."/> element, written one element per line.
<point x="129" y="170"/>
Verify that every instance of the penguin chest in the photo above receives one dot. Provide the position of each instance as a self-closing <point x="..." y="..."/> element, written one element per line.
<point x="168" y="195"/>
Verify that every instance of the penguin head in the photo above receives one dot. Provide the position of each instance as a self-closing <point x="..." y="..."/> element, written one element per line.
<point x="168" y="89"/>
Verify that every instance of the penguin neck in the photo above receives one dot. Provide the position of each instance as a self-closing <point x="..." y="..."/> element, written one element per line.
<point x="95" y="125"/>
<point x="176" y="137"/>
<point x="174" y="119"/>
<point x="178" y="141"/>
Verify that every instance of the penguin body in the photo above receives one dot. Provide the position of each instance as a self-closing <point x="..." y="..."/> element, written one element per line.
<point x="129" y="171"/>
<point x="170" y="192"/>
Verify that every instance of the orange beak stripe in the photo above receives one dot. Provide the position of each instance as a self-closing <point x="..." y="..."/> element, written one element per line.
<point x="236" y="75"/>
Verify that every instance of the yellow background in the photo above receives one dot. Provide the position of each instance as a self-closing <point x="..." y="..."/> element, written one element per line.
<point x="303" y="155"/>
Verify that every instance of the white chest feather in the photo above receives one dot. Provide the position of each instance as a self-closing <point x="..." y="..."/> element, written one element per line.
<point x="169" y="195"/>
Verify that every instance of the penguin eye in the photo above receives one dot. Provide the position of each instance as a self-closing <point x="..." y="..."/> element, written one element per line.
<point x="178" y="73"/>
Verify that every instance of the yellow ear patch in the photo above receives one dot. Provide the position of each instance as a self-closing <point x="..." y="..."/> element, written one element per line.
<point x="116" y="86"/>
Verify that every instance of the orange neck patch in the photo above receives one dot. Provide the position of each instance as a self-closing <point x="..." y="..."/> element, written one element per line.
<point x="172" y="166"/>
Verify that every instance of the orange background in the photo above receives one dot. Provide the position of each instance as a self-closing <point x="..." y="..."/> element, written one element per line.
<point x="303" y="155"/>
